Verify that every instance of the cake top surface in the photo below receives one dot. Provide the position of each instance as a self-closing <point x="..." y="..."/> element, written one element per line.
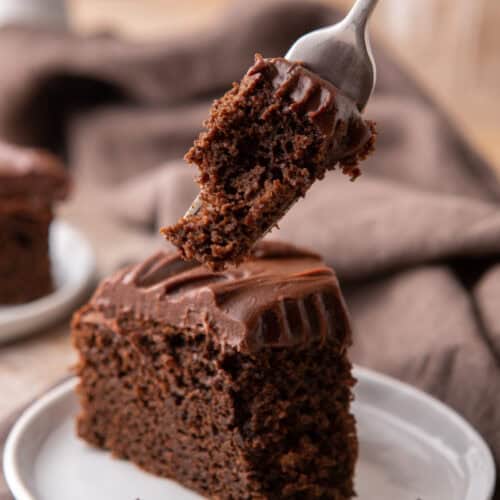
<point x="310" y="94"/>
<point x="26" y="172"/>
<point x="281" y="296"/>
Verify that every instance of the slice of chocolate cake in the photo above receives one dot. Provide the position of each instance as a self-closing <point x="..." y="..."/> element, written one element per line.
<point x="236" y="384"/>
<point x="30" y="182"/>
<point x="267" y="140"/>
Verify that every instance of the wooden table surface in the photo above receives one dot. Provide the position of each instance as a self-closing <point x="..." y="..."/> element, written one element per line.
<point x="30" y="365"/>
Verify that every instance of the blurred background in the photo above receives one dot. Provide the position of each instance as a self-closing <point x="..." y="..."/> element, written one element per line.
<point x="451" y="46"/>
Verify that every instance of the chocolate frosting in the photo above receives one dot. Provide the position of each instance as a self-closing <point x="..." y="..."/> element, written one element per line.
<point x="31" y="173"/>
<point x="281" y="296"/>
<point x="331" y="110"/>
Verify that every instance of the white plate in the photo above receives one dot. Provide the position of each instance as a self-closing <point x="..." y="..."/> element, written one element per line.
<point x="412" y="447"/>
<point x="73" y="267"/>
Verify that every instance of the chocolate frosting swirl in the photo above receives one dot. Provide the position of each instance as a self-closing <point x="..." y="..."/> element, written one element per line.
<point x="332" y="111"/>
<point x="281" y="296"/>
<point x="31" y="173"/>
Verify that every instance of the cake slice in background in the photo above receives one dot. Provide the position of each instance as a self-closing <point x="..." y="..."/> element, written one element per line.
<point x="237" y="384"/>
<point x="31" y="182"/>
<point x="267" y="140"/>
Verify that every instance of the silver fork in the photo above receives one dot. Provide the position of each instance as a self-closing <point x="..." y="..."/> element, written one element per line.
<point x="340" y="54"/>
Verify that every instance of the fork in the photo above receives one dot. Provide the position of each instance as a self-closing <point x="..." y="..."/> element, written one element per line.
<point x="342" y="54"/>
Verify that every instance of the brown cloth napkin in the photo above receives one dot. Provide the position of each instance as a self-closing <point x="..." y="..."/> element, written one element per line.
<point x="415" y="240"/>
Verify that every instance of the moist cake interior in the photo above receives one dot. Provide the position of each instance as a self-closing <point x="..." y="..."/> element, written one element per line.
<point x="267" y="140"/>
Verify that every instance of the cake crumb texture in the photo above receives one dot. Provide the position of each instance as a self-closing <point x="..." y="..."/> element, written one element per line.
<point x="266" y="141"/>
<point x="236" y="384"/>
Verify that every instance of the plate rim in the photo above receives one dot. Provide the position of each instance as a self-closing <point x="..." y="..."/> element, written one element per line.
<point x="59" y="301"/>
<point x="19" y="489"/>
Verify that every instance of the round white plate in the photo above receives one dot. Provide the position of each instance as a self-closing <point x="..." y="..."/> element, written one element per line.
<point x="412" y="447"/>
<point x="73" y="267"/>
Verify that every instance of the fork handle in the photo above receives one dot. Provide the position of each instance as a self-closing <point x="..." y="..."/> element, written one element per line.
<point x="360" y="13"/>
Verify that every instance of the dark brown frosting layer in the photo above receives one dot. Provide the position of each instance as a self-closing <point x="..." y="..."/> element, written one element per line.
<point x="281" y="296"/>
<point x="333" y="112"/>
<point x="31" y="173"/>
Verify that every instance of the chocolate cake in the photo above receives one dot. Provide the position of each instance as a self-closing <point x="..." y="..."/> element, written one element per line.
<point x="30" y="182"/>
<point x="236" y="384"/>
<point x="267" y="140"/>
